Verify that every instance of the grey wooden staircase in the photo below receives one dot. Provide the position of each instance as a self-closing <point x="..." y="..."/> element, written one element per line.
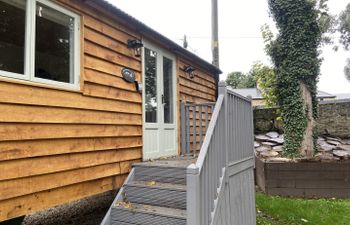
<point x="154" y="193"/>
<point x="216" y="188"/>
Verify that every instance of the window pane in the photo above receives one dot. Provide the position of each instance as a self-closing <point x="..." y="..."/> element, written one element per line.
<point x="54" y="45"/>
<point x="151" y="85"/>
<point x="12" y="35"/>
<point x="168" y="90"/>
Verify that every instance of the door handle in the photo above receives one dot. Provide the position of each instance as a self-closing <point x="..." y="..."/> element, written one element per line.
<point x="163" y="100"/>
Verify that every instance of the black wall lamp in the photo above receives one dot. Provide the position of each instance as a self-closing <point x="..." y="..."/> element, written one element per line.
<point x="190" y="70"/>
<point x="136" y="45"/>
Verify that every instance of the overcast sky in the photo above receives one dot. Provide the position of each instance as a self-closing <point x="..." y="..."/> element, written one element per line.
<point x="239" y="33"/>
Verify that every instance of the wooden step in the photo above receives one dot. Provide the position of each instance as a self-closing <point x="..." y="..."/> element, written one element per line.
<point x="162" y="174"/>
<point x="155" y="193"/>
<point x="173" y="162"/>
<point x="139" y="214"/>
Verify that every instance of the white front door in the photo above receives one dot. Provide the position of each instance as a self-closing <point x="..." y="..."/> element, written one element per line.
<point x="159" y="103"/>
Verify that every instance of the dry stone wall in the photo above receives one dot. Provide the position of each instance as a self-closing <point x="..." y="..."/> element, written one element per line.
<point x="334" y="119"/>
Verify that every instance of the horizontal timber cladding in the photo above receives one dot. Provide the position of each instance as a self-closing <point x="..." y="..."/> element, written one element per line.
<point x="57" y="146"/>
<point x="19" y="131"/>
<point x="103" y="53"/>
<point x="31" y="203"/>
<point x="27" y="185"/>
<point x="29" y="95"/>
<point x="43" y="114"/>
<point x="35" y="166"/>
<point x="33" y="148"/>
<point x="201" y="88"/>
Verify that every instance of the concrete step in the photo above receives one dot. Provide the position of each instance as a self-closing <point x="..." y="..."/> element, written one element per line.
<point x="155" y="193"/>
<point x="139" y="214"/>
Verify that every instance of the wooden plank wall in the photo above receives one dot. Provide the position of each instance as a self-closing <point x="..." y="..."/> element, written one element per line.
<point x="57" y="146"/>
<point x="200" y="89"/>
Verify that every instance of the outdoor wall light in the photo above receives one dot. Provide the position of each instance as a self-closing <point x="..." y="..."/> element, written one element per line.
<point x="138" y="86"/>
<point x="190" y="71"/>
<point x="136" y="45"/>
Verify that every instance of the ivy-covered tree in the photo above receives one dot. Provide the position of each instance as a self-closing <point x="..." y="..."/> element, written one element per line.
<point x="295" y="56"/>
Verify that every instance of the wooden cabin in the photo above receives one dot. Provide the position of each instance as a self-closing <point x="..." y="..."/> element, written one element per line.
<point x="81" y="99"/>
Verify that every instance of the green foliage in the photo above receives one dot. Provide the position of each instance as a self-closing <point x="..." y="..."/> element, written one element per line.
<point x="234" y="79"/>
<point x="286" y="211"/>
<point x="266" y="81"/>
<point x="249" y="82"/>
<point x="240" y="80"/>
<point x="268" y="37"/>
<point x="327" y="22"/>
<point x="344" y="27"/>
<point x="260" y="76"/>
<point x="347" y="69"/>
<point x="295" y="56"/>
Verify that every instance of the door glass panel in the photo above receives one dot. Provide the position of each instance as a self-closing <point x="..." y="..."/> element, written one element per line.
<point x="151" y="85"/>
<point x="54" y="45"/>
<point x="168" y="90"/>
<point x="12" y="35"/>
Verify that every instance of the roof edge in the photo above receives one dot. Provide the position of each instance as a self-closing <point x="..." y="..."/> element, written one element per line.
<point x="154" y="35"/>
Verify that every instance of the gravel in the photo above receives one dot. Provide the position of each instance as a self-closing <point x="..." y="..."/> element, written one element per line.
<point x="88" y="211"/>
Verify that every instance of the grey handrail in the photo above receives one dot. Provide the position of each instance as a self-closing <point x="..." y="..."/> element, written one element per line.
<point x="228" y="139"/>
<point x="204" y="149"/>
<point x="199" y="212"/>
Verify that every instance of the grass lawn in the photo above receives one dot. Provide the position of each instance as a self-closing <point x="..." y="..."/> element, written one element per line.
<point x="293" y="211"/>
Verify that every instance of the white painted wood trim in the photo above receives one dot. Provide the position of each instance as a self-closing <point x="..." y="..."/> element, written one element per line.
<point x="29" y="59"/>
<point x="160" y="117"/>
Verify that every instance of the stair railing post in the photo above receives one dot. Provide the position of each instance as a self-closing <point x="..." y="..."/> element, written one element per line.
<point x="223" y="91"/>
<point x="183" y="127"/>
<point x="194" y="206"/>
<point x="188" y="129"/>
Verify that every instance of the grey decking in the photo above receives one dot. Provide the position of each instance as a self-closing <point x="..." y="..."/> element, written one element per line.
<point x="155" y="193"/>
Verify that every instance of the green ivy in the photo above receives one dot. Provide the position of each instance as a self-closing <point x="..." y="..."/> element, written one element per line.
<point x="295" y="55"/>
<point x="266" y="81"/>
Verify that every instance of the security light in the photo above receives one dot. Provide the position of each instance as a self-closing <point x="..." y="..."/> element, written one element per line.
<point x="136" y="45"/>
<point x="190" y="70"/>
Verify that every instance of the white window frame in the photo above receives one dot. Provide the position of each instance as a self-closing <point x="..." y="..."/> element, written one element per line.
<point x="29" y="48"/>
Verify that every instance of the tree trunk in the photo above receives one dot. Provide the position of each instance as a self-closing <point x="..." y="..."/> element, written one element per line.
<point x="307" y="145"/>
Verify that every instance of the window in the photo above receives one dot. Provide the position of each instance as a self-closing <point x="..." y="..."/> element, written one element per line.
<point x="12" y="35"/>
<point x="151" y="105"/>
<point x="168" y="90"/>
<point x="39" y="42"/>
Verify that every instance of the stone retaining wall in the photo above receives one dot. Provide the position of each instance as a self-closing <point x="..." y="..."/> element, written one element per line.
<point x="304" y="179"/>
<point x="334" y="119"/>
